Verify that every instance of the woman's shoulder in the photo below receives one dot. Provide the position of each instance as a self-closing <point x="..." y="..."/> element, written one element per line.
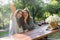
<point x="31" y="18"/>
<point x="11" y="16"/>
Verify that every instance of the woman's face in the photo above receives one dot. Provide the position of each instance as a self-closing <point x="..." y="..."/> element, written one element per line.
<point x="25" y="14"/>
<point x="19" y="15"/>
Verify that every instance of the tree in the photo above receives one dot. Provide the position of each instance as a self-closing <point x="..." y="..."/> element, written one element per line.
<point x="33" y="5"/>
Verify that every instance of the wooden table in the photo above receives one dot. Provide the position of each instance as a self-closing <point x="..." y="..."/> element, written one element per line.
<point x="41" y="32"/>
<point x="35" y="34"/>
<point x="17" y="37"/>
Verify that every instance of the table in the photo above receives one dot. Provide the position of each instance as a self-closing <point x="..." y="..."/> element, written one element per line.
<point x="41" y="32"/>
<point x="17" y="37"/>
<point x="34" y="34"/>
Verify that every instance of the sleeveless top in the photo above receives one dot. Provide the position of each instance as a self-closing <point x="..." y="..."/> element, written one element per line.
<point x="13" y="28"/>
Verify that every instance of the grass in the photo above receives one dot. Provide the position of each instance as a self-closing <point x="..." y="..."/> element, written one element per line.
<point x="55" y="35"/>
<point x="3" y="33"/>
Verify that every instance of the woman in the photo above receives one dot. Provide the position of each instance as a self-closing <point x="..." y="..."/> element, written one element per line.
<point x="15" y="23"/>
<point x="28" y="21"/>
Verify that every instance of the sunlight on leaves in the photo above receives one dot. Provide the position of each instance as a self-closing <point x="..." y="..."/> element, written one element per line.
<point x="46" y="14"/>
<point x="0" y="15"/>
<point x="54" y="2"/>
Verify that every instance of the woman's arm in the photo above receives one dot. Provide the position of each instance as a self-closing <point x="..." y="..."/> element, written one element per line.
<point x="13" y="8"/>
<point x="13" y="24"/>
<point x="31" y="23"/>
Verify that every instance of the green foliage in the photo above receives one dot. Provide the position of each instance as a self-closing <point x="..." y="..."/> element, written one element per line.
<point x="6" y="21"/>
<point x="4" y="16"/>
<point x="0" y="27"/>
<point x="53" y="9"/>
<point x="37" y="8"/>
<point x="0" y="15"/>
<point x="3" y="33"/>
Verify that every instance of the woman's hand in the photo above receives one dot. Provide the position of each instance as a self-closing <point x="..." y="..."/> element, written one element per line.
<point x="25" y="20"/>
<point x="12" y="7"/>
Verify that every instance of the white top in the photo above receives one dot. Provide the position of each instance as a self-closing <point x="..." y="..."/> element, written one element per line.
<point x="14" y="29"/>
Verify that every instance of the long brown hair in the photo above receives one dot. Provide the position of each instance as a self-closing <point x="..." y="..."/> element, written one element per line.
<point x="20" y="20"/>
<point x="28" y="14"/>
<point x="26" y="25"/>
